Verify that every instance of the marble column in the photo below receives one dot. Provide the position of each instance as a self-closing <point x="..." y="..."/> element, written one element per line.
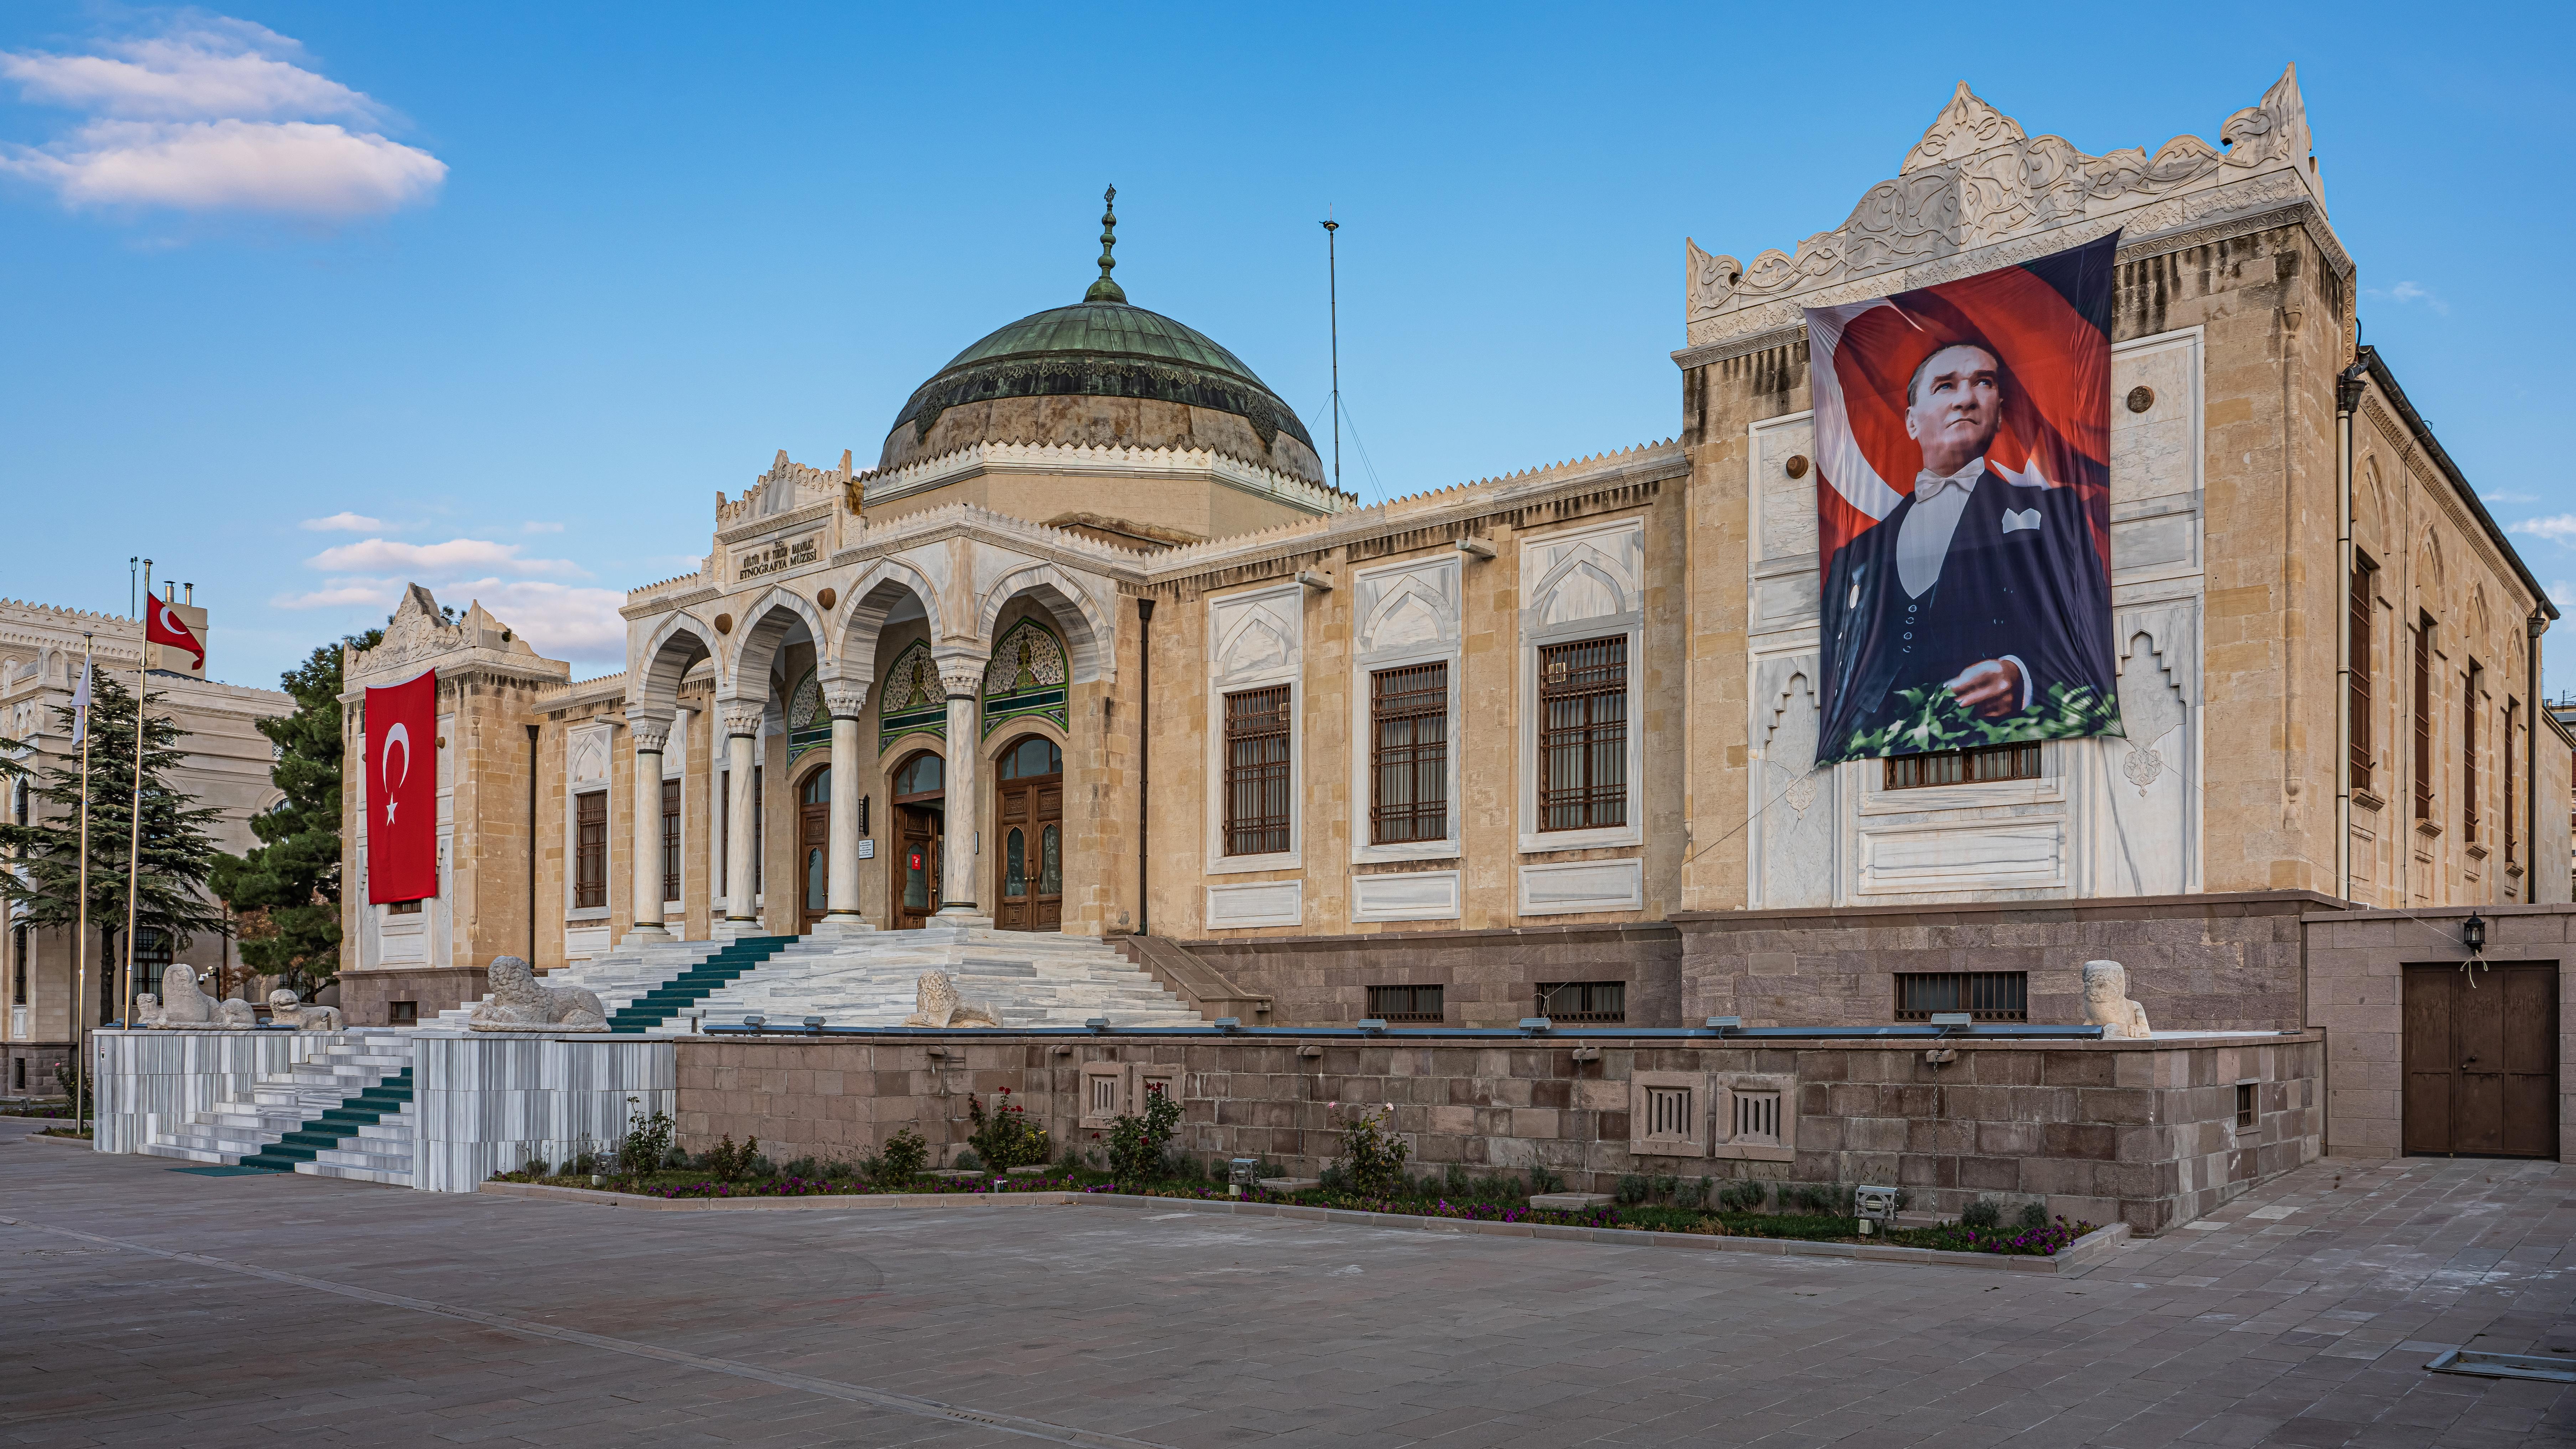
<point x="841" y="886"/>
<point x="961" y="676"/>
<point x="650" y="733"/>
<point x="742" y="740"/>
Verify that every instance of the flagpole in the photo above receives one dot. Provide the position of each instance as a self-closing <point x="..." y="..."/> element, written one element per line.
<point x="80" y="934"/>
<point x="134" y="831"/>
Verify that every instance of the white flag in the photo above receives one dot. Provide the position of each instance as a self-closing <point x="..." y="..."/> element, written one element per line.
<point x="80" y="705"/>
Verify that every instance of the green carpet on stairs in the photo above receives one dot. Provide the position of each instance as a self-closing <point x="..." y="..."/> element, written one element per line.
<point x="696" y="984"/>
<point x="335" y="1126"/>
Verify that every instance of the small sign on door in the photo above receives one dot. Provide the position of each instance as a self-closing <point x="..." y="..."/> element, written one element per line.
<point x="867" y="850"/>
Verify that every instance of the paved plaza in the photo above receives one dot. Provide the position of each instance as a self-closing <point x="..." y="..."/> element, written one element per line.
<point x="150" y="1306"/>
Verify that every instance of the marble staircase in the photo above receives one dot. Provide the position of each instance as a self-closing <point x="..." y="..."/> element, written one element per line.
<point x="1027" y="978"/>
<point x="347" y="1112"/>
<point x="618" y="979"/>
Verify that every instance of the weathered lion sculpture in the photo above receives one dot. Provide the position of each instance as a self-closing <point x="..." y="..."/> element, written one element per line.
<point x="518" y="1003"/>
<point x="180" y="1006"/>
<point x="936" y="1003"/>
<point x="2107" y="1004"/>
<point x="286" y="1009"/>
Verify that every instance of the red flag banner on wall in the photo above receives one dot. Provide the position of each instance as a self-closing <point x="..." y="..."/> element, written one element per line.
<point x="401" y="791"/>
<point x="1963" y="510"/>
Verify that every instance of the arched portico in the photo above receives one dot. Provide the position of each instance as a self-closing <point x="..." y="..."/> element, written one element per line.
<point x="1089" y="633"/>
<point x="674" y="647"/>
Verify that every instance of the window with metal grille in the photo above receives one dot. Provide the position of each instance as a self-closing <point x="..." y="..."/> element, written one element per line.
<point x="1668" y="1112"/>
<point x="1583" y="1000"/>
<point x="590" y="850"/>
<point x="2469" y="751"/>
<point x="2357" y="624"/>
<point x="670" y="840"/>
<point x="2246" y="1111"/>
<point x="18" y="966"/>
<point x="2424" y="717"/>
<point x="1583" y="734"/>
<point x="2504" y="746"/>
<point x="1405" y="1003"/>
<point x="1757" y="1118"/>
<point x="1984" y="995"/>
<point x="1257" y="783"/>
<point x="1963" y="767"/>
<point x="1409" y="754"/>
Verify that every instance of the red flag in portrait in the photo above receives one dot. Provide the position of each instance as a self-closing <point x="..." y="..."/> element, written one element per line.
<point x="401" y="790"/>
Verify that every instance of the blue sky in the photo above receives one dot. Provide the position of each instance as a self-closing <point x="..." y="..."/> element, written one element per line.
<point x="506" y="292"/>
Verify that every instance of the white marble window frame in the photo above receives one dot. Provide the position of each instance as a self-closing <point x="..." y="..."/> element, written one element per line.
<point x="1289" y="673"/>
<point x="1632" y="626"/>
<point x="604" y="731"/>
<point x="1366" y="662"/>
<point x="675" y="766"/>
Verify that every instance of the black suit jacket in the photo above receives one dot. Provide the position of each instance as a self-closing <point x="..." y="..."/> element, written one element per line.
<point x="2040" y="594"/>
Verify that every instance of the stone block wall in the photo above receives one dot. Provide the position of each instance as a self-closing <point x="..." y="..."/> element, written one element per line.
<point x="367" y="997"/>
<point x="1489" y="978"/>
<point x="2138" y="1132"/>
<point x="2196" y="963"/>
<point x="2356" y="983"/>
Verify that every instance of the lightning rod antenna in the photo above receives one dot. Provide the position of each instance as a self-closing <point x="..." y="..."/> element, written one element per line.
<point x="1333" y="291"/>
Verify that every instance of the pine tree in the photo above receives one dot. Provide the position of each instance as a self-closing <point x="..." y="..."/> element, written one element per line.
<point x="288" y="887"/>
<point x="177" y="854"/>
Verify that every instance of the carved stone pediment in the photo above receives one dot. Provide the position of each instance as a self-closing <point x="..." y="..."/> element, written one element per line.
<point x="1976" y="179"/>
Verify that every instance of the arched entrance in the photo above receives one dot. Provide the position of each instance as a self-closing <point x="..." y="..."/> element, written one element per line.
<point x="814" y="846"/>
<point x="1028" y="792"/>
<point x="919" y="790"/>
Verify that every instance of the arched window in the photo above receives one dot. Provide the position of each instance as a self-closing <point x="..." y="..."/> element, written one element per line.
<point x="1032" y="756"/>
<point x="818" y="788"/>
<point x="921" y="774"/>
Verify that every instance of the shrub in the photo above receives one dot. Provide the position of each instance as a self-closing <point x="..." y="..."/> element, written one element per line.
<point x="2034" y="1217"/>
<point x="1137" y="1142"/>
<point x="647" y="1143"/>
<point x="1372" y="1159"/>
<point x="901" y="1160"/>
<point x="1742" y="1197"/>
<point x="727" y="1163"/>
<point x="1632" y="1189"/>
<point x="1543" y="1181"/>
<point x="1692" y="1192"/>
<point x="968" y="1160"/>
<point x="1981" y="1214"/>
<point x="1831" y="1199"/>
<point x="1005" y="1137"/>
<point x="804" y="1167"/>
<point x="1662" y="1186"/>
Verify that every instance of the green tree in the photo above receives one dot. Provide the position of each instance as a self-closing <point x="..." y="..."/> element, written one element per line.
<point x="177" y="854"/>
<point x="289" y="884"/>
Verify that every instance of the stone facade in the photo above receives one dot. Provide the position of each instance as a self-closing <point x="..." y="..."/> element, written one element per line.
<point x="1487" y="978"/>
<point x="2146" y="1133"/>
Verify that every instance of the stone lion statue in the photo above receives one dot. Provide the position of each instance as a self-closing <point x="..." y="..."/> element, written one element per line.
<point x="936" y="1003"/>
<point x="180" y="1006"/>
<point x="286" y="1009"/>
<point x="2107" y="1004"/>
<point x="518" y="1003"/>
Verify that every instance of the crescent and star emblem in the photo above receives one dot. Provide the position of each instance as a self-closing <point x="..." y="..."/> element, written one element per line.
<point x="400" y="734"/>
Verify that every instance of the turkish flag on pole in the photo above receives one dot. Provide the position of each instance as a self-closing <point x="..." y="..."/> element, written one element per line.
<point x="402" y="791"/>
<point x="161" y="626"/>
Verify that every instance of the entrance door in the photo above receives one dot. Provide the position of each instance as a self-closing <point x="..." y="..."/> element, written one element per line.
<point x="1029" y="793"/>
<point x="814" y="846"/>
<point x="919" y="814"/>
<point x="2481" y="1055"/>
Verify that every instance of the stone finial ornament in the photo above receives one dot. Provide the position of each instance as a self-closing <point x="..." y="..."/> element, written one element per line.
<point x="2107" y="1004"/>
<point x="182" y="1007"/>
<point x="936" y="1003"/>
<point x="286" y="1009"/>
<point x="518" y="1003"/>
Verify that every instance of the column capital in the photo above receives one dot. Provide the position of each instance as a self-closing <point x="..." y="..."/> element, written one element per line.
<point x="650" y="732"/>
<point x="961" y="670"/>
<point x="740" y="716"/>
<point x="845" y="698"/>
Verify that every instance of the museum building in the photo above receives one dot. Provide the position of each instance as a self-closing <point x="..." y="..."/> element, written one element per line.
<point x="1097" y="650"/>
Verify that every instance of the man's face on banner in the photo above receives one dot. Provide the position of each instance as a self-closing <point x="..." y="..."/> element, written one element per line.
<point x="1953" y="405"/>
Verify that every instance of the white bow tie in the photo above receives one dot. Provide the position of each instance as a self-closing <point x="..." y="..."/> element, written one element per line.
<point x="1928" y="485"/>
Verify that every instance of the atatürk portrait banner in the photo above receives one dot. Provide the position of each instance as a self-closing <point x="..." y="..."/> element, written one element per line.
<point x="1963" y="510"/>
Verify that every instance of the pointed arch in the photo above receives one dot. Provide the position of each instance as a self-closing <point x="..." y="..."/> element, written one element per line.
<point x="877" y="592"/>
<point x="675" y="646"/>
<point x="1088" y="632"/>
<point x="764" y="628"/>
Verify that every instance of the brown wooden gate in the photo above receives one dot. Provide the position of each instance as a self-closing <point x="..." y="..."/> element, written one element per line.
<point x="814" y="848"/>
<point x="1028" y="796"/>
<point x="2481" y="1060"/>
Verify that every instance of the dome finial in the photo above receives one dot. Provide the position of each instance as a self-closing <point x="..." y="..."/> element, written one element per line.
<point x="1106" y="290"/>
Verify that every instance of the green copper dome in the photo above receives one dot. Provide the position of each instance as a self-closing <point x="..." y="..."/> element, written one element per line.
<point x="1103" y="349"/>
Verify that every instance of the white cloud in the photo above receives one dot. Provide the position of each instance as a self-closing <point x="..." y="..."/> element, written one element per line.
<point x="208" y="116"/>
<point x="344" y="522"/>
<point x="2508" y="497"/>
<point x="541" y="527"/>
<point x="457" y="555"/>
<point x="342" y="594"/>
<point x="2559" y="527"/>
<point x="199" y="69"/>
<point x="560" y="621"/>
<point x="2405" y="292"/>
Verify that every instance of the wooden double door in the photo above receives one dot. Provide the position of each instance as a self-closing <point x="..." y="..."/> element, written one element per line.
<point x="1028" y="798"/>
<point x="2481" y="1060"/>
